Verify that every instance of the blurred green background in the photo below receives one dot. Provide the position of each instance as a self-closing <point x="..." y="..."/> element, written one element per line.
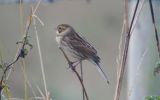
<point x="100" y="22"/>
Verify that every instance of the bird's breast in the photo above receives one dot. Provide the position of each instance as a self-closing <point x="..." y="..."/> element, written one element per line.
<point x="59" y="39"/>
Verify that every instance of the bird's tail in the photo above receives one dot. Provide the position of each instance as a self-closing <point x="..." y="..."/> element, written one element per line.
<point x="103" y="74"/>
<point x="96" y="60"/>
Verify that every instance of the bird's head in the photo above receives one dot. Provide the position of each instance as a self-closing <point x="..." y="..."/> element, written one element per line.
<point x="64" y="29"/>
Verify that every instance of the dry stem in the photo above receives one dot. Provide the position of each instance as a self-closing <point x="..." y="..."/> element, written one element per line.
<point x="77" y="74"/>
<point x="124" y="57"/>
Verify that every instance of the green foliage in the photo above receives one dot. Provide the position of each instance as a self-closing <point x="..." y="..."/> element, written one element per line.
<point x="7" y="91"/>
<point x="152" y="98"/>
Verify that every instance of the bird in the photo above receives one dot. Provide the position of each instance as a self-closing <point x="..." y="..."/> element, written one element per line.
<point x="77" y="46"/>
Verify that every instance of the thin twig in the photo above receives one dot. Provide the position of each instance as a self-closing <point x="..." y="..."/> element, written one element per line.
<point x="138" y="14"/>
<point x="74" y="70"/>
<point x="21" y="31"/>
<point x="155" y="28"/>
<point x="81" y="70"/>
<point x="133" y="18"/>
<point x="20" y="50"/>
<point x="21" y="53"/>
<point x="124" y="57"/>
<point x="9" y="73"/>
<point x="7" y="68"/>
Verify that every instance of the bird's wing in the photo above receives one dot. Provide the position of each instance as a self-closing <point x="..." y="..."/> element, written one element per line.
<point x="81" y="46"/>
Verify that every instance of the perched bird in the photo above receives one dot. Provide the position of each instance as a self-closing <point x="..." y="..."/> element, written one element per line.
<point x="69" y="40"/>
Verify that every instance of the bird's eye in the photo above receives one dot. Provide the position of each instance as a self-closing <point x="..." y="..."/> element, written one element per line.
<point x="60" y="28"/>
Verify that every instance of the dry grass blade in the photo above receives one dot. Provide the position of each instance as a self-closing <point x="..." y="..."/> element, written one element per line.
<point x="39" y="49"/>
<point x="39" y="90"/>
<point x="124" y="57"/>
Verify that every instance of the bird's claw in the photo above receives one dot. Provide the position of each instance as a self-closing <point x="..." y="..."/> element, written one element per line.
<point x="71" y="65"/>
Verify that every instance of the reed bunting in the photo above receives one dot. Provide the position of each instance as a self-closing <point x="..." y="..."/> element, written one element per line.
<point x="69" y="40"/>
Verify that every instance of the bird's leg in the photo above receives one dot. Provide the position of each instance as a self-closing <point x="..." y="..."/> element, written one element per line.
<point x="70" y="63"/>
<point x="75" y="63"/>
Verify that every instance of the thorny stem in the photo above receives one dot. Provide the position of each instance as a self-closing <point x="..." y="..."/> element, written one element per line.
<point x="124" y="57"/>
<point x="77" y="74"/>
<point x="155" y="28"/>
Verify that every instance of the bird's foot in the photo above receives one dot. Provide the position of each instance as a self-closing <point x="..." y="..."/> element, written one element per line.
<point x="73" y="65"/>
<point x="70" y="65"/>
